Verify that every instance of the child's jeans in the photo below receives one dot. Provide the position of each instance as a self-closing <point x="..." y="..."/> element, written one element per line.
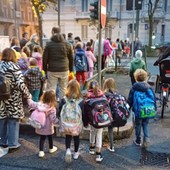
<point x="141" y="123"/>
<point x="96" y="136"/>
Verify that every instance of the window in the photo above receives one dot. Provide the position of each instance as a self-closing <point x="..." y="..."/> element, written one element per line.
<point x="165" y="7"/>
<point x="84" y="31"/>
<point x="109" y="4"/>
<point x="84" y="5"/>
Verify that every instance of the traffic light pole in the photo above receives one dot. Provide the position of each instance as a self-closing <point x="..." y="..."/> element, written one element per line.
<point x="99" y="45"/>
<point x="133" y="28"/>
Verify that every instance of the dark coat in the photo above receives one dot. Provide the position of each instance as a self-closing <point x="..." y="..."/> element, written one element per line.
<point x="58" y="55"/>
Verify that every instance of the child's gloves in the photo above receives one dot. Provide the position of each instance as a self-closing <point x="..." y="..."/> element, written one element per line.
<point x="71" y="76"/>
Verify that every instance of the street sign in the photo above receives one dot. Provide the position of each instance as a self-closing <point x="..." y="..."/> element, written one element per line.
<point x="103" y="13"/>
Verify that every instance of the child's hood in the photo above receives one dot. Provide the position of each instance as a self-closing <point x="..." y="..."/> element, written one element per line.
<point x="42" y="107"/>
<point x="141" y="86"/>
<point x="90" y="94"/>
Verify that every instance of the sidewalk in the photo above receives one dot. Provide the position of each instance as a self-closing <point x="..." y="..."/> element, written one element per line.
<point x="127" y="156"/>
<point x="121" y="79"/>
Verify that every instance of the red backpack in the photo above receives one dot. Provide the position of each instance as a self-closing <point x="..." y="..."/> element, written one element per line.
<point x="107" y="48"/>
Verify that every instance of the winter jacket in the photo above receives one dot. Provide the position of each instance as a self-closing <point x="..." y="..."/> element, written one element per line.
<point x="139" y="86"/>
<point x="91" y="58"/>
<point x="33" y="77"/>
<point x="51" y="119"/>
<point x="13" y="107"/>
<point x="136" y="63"/>
<point x="23" y="64"/>
<point x="38" y="57"/>
<point x="58" y="55"/>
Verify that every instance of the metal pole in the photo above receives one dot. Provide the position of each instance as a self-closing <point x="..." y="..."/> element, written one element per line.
<point x="59" y="13"/>
<point x="133" y="26"/>
<point x="99" y="45"/>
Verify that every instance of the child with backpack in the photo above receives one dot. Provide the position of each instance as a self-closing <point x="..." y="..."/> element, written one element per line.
<point x="142" y="101"/>
<point x="119" y="108"/>
<point x="37" y="54"/>
<point x="96" y="113"/>
<point x="47" y="106"/>
<point x="34" y="78"/>
<point x="91" y="59"/>
<point x="81" y="64"/>
<point x="70" y="108"/>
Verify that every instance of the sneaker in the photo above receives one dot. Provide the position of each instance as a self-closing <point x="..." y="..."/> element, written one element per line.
<point x="137" y="143"/>
<point x="111" y="149"/>
<point x="92" y="150"/>
<point x="145" y="144"/>
<point x="14" y="146"/>
<point x="41" y="154"/>
<point x="68" y="156"/>
<point x="3" y="151"/>
<point x="99" y="157"/>
<point x="53" y="149"/>
<point x="76" y="155"/>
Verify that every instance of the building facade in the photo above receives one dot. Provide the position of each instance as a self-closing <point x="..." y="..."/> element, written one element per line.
<point x="16" y="17"/>
<point x="74" y="17"/>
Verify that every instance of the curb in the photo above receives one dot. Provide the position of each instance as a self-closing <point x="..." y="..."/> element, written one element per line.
<point x="124" y="132"/>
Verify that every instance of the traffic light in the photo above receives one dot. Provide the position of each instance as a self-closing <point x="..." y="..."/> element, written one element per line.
<point x="94" y="10"/>
<point x="129" y="5"/>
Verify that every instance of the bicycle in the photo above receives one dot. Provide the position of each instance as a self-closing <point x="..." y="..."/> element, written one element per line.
<point x="163" y="84"/>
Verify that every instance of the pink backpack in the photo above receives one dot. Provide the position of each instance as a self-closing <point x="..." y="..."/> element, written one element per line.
<point x="107" y="48"/>
<point x="37" y="119"/>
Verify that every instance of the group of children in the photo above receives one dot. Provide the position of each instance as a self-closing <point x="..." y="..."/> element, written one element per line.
<point x="73" y="93"/>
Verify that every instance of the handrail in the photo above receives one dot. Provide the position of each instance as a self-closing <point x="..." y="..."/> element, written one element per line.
<point x="93" y="77"/>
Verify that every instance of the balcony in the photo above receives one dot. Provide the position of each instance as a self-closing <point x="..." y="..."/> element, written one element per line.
<point x="158" y="15"/>
<point x="113" y="15"/>
<point x="82" y="15"/>
<point x="7" y="20"/>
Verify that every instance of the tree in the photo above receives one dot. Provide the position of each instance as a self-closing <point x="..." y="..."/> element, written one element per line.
<point x="38" y="7"/>
<point x="152" y="5"/>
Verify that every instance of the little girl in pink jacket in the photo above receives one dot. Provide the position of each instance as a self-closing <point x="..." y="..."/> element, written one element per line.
<point x="91" y="59"/>
<point x="47" y="104"/>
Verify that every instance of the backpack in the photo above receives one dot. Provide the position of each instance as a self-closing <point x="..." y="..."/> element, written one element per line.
<point x="98" y="112"/>
<point x="37" y="119"/>
<point x="144" y="104"/>
<point x="120" y="109"/>
<point x="71" y="118"/>
<point x="5" y="88"/>
<point x="107" y="48"/>
<point x="80" y="62"/>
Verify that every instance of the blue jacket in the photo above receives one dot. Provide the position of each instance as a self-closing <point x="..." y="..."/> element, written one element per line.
<point x="139" y="86"/>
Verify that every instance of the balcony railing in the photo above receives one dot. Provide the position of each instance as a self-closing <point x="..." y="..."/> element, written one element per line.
<point x="158" y="15"/>
<point x="7" y="20"/>
<point x="82" y="15"/>
<point x="113" y="15"/>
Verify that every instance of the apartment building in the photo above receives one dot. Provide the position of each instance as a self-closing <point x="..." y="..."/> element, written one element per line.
<point x="74" y="17"/>
<point x="16" y="17"/>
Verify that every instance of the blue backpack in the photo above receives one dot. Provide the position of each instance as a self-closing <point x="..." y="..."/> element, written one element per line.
<point x="81" y="62"/>
<point x="144" y="104"/>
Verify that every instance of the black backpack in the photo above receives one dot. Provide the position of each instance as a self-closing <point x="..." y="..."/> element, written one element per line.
<point x="98" y="112"/>
<point x="5" y="89"/>
<point x="119" y="107"/>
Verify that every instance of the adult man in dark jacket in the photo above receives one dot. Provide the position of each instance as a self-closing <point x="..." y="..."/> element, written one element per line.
<point x="57" y="61"/>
